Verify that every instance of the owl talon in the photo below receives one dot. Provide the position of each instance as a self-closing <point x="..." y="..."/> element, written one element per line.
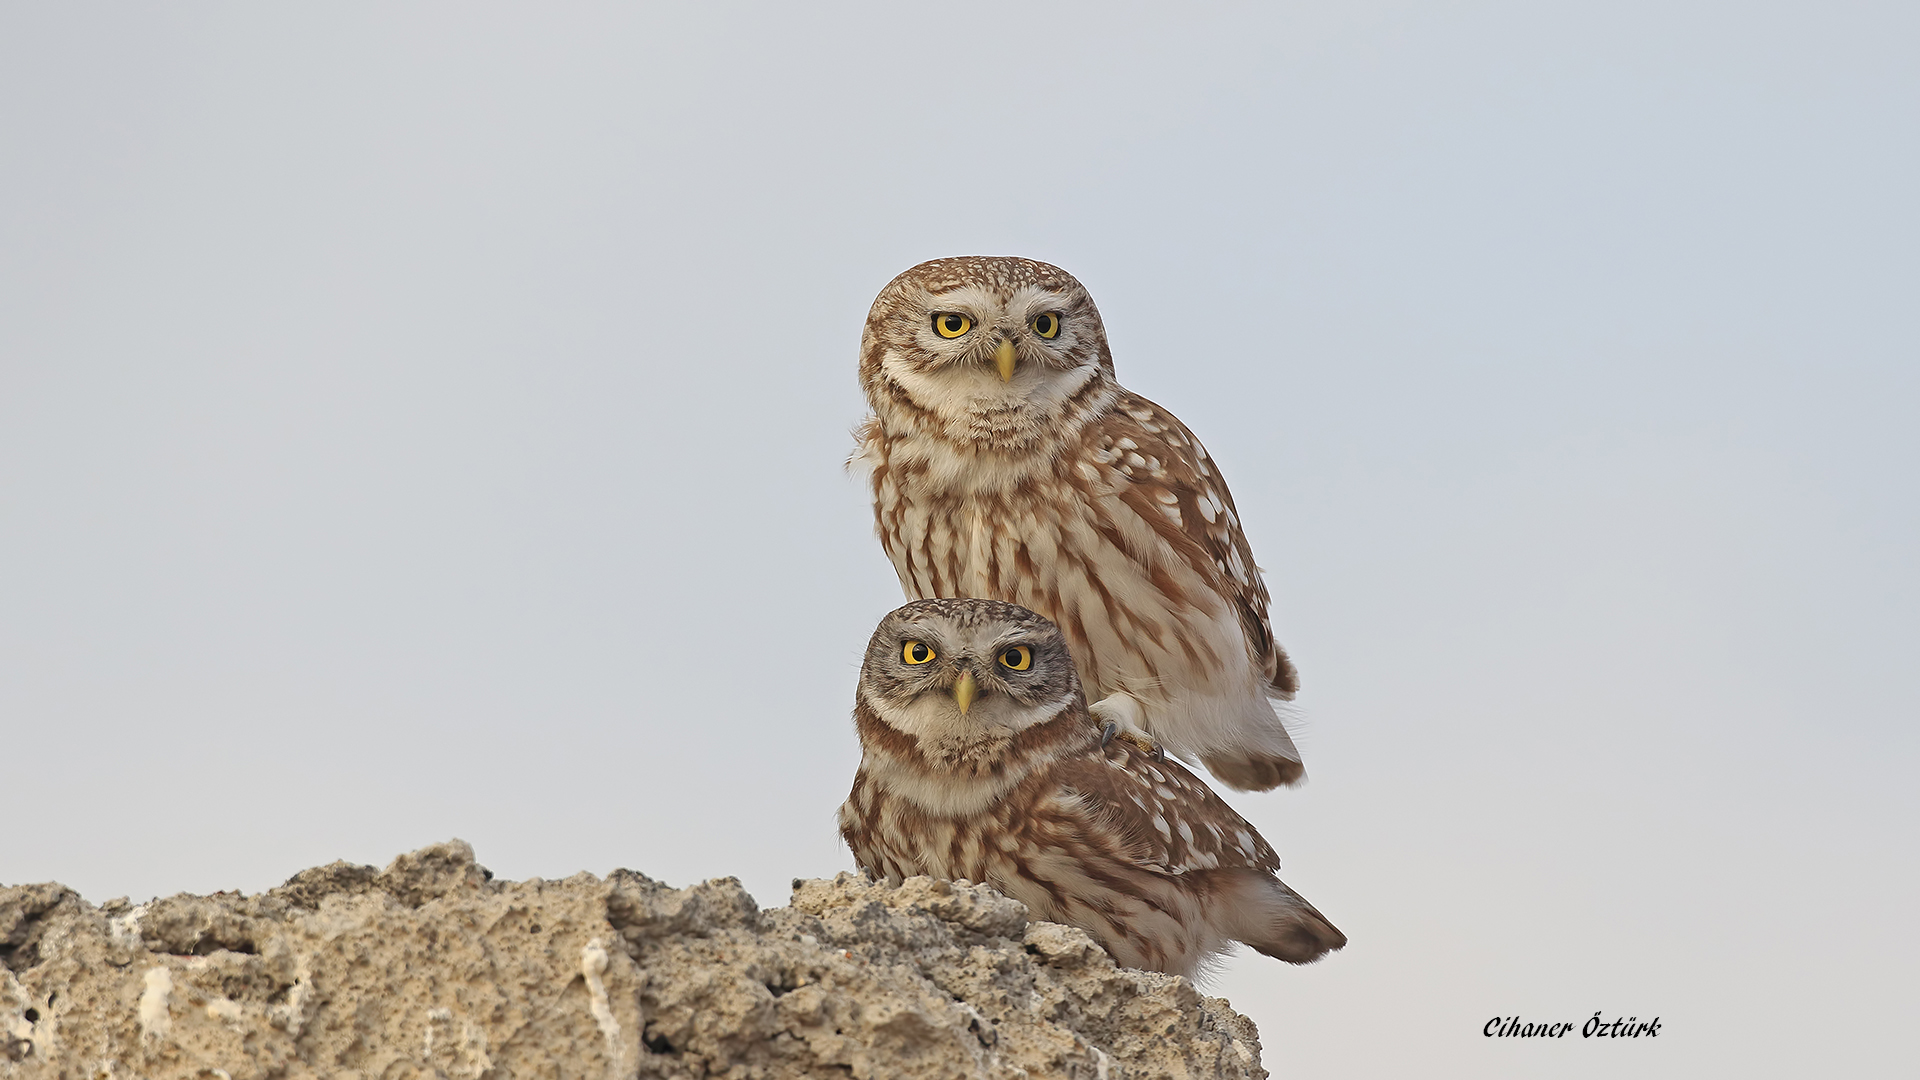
<point x="1132" y="738"/>
<point x="1125" y="721"/>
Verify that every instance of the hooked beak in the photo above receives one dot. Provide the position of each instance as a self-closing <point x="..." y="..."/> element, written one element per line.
<point x="1003" y="359"/>
<point x="964" y="690"/>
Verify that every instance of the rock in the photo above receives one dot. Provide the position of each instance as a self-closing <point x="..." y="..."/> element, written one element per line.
<point x="433" y="969"/>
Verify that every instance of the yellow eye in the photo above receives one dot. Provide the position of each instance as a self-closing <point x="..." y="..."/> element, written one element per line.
<point x="1047" y="326"/>
<point x="916" y="652"/>
<point x="1019" y="657"/>
<point x="951" y="324"/>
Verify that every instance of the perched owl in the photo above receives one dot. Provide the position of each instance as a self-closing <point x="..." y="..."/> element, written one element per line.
<point x="1006" y="462"/>
<point x="980" y="761"/>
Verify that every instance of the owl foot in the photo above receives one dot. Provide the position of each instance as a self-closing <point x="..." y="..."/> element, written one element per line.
<point x="1138" y="741"/>
<point x="1122" y="715"/>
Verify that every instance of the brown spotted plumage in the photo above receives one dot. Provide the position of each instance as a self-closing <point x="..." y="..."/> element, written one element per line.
<point x="974" y="767"/>
<point x="1007" y="463"/>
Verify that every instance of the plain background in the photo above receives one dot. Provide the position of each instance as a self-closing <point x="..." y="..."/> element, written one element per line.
<point x="427" y="421"/>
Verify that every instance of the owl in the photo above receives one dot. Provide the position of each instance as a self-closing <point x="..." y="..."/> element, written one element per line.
<point x="980" y="761"/>
<point x="1006" y="462"/>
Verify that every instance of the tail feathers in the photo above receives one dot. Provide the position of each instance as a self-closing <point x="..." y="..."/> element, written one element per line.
<point x="1261" y="757"/>
<point x="1279" y="922"/>
<point x="1245" y="770"/>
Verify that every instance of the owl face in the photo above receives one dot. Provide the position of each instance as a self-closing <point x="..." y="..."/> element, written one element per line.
<point x="995" y="349"/>
<point x="945" y="670"/>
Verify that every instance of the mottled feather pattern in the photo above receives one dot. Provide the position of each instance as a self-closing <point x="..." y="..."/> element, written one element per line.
<point x="1170" y="472"/>
<point x="1170" y="819"/>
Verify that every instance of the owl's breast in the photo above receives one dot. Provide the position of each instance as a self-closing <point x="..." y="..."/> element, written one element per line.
<point x="1062" y="542"/>
<point x="1001" y="543"/>
<point x="895" y="835"/>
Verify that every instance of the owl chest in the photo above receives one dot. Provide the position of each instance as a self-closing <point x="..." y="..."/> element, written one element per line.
<point x="942" y="847"/>
<point x="1004" y="545"/>
<point x="902" y="840"/>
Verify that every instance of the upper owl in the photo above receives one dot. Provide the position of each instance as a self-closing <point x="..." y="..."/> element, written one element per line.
<point x="1008" y="463"/>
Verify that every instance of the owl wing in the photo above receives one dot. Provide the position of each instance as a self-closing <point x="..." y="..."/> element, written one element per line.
<point x="1175" y="487"/>
<point x="1162" y="817"/>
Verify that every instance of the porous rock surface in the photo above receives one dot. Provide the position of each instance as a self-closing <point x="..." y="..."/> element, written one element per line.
<point x="433" y="969"/>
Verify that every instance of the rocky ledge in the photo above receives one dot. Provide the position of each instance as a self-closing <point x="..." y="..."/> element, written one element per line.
<point x="432" y="968"/>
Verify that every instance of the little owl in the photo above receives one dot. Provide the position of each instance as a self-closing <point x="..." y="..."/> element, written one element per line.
<point x="979" y="761"/>
<point x="1006" y="462"/>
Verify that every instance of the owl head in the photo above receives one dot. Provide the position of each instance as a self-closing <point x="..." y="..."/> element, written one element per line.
<point x="951" y="669"/>
<point x="991" y="351"/>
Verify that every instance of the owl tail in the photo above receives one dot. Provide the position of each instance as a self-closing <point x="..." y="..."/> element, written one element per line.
<point x="1261" y="756"/>
<point x="1246" y="770"/>
<point x="1279" y="922"/>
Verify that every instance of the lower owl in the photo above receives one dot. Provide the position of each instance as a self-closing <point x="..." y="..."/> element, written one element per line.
<point x="980" y="761"/>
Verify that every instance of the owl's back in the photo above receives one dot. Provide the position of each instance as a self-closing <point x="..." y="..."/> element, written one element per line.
<point x="1138" y="853"/>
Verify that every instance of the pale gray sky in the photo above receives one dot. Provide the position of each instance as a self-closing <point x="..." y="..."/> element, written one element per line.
<point x="427" y="421"/>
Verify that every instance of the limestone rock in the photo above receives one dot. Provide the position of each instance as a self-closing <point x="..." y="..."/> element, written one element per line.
<point x="433" y="969"/>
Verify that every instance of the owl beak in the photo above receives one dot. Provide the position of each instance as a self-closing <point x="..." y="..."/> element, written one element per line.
<point x="1004" y="359"/>
<point x="964" y="690"/>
